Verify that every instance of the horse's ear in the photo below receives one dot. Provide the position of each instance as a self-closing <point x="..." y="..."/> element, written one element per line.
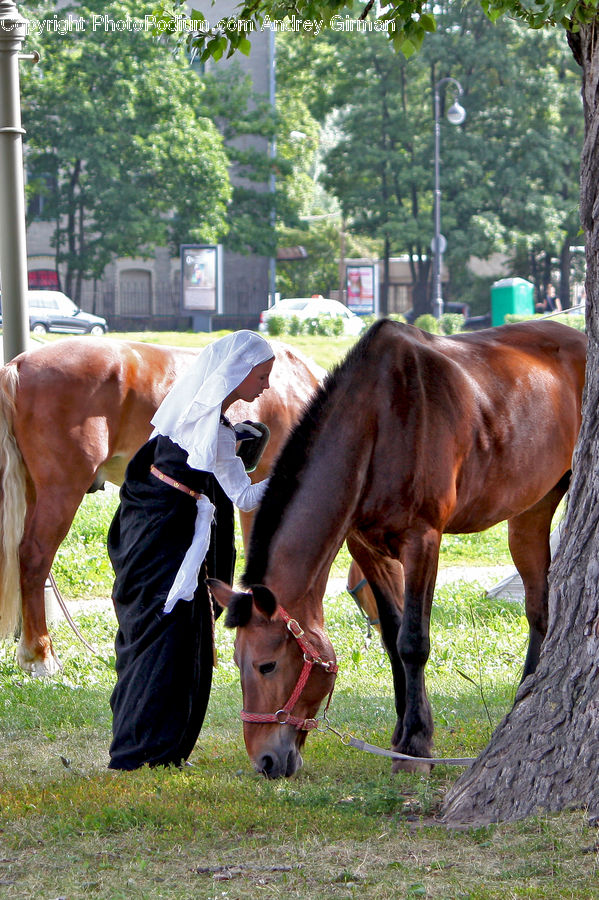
<point x="237" y="604"/>
<point x="221" y="592"/>
<point x="265" y="600"/>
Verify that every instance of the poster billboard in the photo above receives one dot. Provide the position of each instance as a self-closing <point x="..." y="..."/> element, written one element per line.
<point x="201" y="281"/>
<point x="361" y="285"/>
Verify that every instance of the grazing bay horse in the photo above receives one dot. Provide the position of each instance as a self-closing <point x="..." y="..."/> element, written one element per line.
<point x="413" y="435"/>
<point x="72" y="414"/>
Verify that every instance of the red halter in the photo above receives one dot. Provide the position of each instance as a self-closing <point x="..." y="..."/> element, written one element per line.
<point x="311" y="658"/>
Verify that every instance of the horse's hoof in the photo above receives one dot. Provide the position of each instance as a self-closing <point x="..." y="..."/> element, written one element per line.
<point x="38" y="667"/>
<point x="411" y="765"/>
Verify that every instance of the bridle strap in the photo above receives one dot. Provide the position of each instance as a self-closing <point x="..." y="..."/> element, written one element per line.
<point x="284" y="716"/>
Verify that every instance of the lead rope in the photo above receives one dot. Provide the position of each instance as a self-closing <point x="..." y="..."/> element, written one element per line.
<point x="358" y="744"/>
<point x="68" y="616"/>
<point x="353" y="592"/>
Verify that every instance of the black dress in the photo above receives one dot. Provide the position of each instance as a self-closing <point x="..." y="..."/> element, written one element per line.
<point x="163" y="661"/>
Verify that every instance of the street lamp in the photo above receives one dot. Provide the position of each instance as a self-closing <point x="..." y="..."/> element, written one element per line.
<point x="13" y="250"/>
<point x="272" y="181"/>
<point x="456" y="115"/>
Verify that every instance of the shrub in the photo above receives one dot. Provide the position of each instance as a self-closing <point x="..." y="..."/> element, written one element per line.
<point x="367" y="321"/>
<point x="574" y="321"/>
<point x="513" y="318"/>
<point x="325" y="325"/>
<point x="329" y="326"/>
<point x="295" y="326"/>
<point x="452" y="323"/>
<point x="428" y="323"/>
<point x="338" y="329"/>
<point x="276" y="325"/>
<point x="311" y="326"/>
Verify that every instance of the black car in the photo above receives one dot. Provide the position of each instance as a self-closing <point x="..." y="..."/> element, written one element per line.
<point x="54" y="311"/>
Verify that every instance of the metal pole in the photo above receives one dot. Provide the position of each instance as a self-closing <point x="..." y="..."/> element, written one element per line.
<point x="456" y="116"/>
<point x="437" y="256"/>
<point x="272" y="152"/>
<point x="342" y="260"/>
<point x="13" y="249"/>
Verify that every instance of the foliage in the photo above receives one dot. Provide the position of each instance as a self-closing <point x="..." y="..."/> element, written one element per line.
<point x="344" y="826"/>
<point x="428" y="323"/>
<point x="406" y="23"/>
<point x="574" y="321"/>
<point x="324" y="240"/>
<point x="331" y="326"/>
<point x="115" y="180"/>
<point x="242" y="116"/>
<point x="520" y="92"/>
<point x="277" y="325"/>
<point x="474" y="290"/>
<point x="451" y="323"/>
<point x="81" y="566"/>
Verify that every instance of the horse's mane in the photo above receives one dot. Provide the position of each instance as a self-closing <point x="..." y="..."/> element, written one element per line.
<point x="295" y="454"/>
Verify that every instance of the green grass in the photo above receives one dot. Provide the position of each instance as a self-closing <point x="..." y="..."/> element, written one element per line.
<point x="344" y="827"/>
<point x="326" y="351"/>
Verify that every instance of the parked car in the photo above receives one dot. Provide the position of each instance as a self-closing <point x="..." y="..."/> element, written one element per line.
<point x="54" y="311"/>
<point x="311" y="308"/>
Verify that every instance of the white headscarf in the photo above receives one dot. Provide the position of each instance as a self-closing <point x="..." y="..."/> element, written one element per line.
<point x="190" y="412"/>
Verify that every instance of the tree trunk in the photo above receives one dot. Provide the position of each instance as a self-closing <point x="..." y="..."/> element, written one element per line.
<point x="384" y="291"/>
<point x="545" y="754"/>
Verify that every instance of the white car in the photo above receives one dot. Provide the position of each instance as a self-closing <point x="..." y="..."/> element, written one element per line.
<point x="311" y="308"/>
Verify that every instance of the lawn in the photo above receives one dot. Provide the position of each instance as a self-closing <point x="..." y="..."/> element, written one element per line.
<point x="343" y="827"/>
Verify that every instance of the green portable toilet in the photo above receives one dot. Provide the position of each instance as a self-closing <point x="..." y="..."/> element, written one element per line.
<point x="511" y="296"/>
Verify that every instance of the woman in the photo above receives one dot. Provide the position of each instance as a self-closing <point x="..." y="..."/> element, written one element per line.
<point x="175" y="526"/>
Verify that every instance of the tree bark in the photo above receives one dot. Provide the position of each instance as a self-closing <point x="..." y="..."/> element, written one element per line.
<point x="545" y="754"/>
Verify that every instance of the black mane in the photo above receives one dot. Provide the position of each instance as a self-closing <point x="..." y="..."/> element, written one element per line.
<point x="294" y="456"/>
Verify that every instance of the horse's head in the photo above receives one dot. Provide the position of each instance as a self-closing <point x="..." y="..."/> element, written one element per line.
<point x="287" y="669"/>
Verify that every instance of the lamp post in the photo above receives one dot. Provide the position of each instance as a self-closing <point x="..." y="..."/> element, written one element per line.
<point x="456" y="115"/>
<point x="13" y="252"/>
<point x="272" y="181"/>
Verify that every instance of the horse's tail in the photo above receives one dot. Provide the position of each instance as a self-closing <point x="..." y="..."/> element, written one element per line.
<point x="13" y="505"/>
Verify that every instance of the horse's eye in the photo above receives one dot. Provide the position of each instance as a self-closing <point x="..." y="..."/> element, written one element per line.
<point x="267" y="668"/>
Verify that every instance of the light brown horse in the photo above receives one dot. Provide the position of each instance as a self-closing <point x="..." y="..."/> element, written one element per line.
<point x="72" y="414"/>
<point x="412" y="436"/>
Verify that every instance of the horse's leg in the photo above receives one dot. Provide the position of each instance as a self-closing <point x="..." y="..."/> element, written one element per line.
<point x="528" y="536"/>
<point x="385" y="578"/>
<point x="48" y="520"/>
<point x="420" y="557"/>
<point x="245" y="521"/>
<point x="359" y="588"/>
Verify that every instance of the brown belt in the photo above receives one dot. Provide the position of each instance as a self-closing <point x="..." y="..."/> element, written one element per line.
<point x="175" y="484"/>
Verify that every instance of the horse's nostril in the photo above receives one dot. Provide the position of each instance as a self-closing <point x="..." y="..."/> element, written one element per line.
<point x="266" y="766"/>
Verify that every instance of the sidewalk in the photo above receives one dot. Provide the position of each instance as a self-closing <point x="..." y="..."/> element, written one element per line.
<point x="486" y="576"/>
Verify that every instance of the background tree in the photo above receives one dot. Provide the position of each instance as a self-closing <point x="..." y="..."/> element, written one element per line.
<point x="545" y="754"/>
<point x="246" y="121"/>
<point x="506" y="186"/>
<point x="116" y="144"/>
<point x="511" y="186"/>
<point x="376" y="170"/>
<point x="325" y="242"/>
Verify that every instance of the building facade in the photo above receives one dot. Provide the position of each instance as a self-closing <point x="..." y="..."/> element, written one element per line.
<point x="145" y="293"/>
